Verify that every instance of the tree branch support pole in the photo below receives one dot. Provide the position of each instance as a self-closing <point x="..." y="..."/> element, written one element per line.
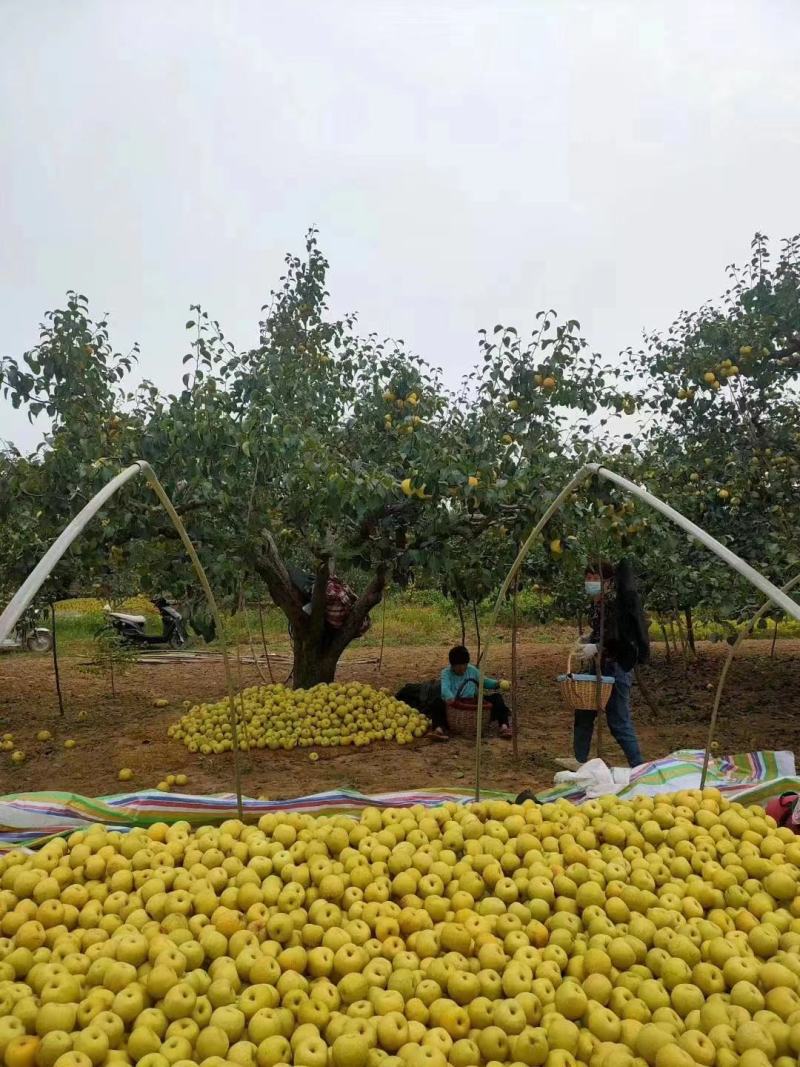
<point x="55" y="659"/>
<point x="383" y="633"/>
<point x="744" y="632"/>
<point x="598" y="660"/>
<point x="161" y="493"/>
<point x="264" y="641"/>
<point x="514" y="679"/>
<point x="566" y="492"/>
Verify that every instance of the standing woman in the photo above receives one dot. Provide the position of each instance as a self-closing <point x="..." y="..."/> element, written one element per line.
<point x="616" y="609"/>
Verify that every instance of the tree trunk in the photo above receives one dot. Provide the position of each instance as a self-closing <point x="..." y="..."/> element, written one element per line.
<point x="461" y="622"/>
<point x="689" y="628"/>
<point x="672" y="625"/>
<point x="317" y="647"/>
<point x="312" y="664"/>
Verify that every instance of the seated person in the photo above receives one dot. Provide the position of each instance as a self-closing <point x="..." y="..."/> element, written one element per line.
<point x="459" y="685"/>
<point x="426" y="697"/>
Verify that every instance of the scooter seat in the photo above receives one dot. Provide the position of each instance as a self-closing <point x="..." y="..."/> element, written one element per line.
<point x="138" y="620"/>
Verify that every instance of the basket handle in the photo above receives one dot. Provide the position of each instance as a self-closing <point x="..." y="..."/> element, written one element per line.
<point x="569" y="662"/>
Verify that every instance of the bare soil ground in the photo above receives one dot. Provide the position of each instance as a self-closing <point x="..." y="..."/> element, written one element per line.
<point x="761" y="709"/>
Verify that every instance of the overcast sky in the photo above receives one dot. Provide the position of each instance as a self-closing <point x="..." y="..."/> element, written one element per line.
<point x="466" y="162"/>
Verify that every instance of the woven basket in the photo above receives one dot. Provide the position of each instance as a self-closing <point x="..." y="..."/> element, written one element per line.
<point x="579" y="691"/>
<point x="462" y="716"/>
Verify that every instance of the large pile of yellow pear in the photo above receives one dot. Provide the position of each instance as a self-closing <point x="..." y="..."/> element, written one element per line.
<point x="272" y="716"/>
<point x="655" y="933"/>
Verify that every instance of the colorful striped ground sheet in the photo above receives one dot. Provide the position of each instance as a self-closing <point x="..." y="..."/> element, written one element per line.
<point x="29" y="819"/>
<point x="750" y="776"/>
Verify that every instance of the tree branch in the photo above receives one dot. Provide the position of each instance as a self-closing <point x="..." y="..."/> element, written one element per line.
<point x="316" y="620"/>
<point x="790" y="355"/>
<point x="368" y="600"/>
<point x="281" y="588"/>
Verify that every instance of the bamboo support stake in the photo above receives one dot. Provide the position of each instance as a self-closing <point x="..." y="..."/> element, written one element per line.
<point x="161" y="493"/>
<point x="264" y="641"/>
<point x="569" y="488"/>
<point x="55" y="660"/>
<point x="514" y="689"/>
<point x="253" y="652"/>
<point x="598" y="688"/>
<point x="383" y="632"/>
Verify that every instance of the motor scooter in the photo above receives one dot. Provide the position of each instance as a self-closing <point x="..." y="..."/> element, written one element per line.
<point x="31" y="638"/>
<point x="131" y="628"/>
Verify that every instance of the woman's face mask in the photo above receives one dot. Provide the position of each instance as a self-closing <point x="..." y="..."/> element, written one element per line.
<point x="592" y="588"/>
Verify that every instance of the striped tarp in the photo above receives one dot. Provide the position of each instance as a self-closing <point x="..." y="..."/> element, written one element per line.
<point x="750" y="776"/>
<point x="29" y="819"/>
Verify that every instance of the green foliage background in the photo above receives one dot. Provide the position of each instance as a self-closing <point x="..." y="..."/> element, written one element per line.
<point x="320" y="445"/>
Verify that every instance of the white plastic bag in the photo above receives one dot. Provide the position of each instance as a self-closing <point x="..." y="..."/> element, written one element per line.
<point x="596" y="778"/>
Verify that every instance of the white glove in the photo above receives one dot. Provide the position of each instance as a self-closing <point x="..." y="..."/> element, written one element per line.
<point x="586" y="651"/>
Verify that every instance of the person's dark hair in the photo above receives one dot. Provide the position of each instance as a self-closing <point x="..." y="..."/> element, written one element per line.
<point x="605" y="569"/>
<point x="457" y="655"/>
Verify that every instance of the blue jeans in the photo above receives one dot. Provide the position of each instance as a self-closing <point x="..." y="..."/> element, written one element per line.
<point x="620" y="722"/>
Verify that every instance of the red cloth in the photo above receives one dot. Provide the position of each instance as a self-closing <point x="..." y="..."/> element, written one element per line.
<point x="780" y="808"/>
<point x="339" y="602"/>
